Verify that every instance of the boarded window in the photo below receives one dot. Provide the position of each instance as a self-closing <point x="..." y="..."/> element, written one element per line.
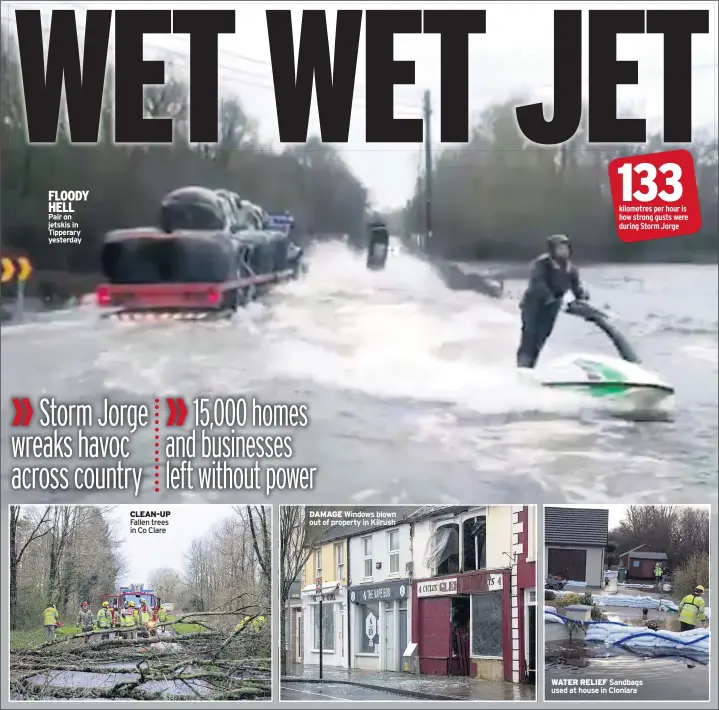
<point x="486" y="639"/>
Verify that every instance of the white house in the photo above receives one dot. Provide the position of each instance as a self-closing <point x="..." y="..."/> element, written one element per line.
<point x="378" y="596"/>
<point x="575" y="540"/>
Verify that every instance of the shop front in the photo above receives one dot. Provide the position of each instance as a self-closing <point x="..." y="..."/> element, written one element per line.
<point x="379" y="624"/>
<point x="327" y="638"/>
<point x="463" y="624"/>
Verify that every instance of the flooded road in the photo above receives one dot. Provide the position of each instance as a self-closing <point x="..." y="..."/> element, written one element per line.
<point x="410" y="386"/>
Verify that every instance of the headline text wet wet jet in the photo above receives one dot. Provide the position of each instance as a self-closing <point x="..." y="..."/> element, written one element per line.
<point x="333" y="76"/>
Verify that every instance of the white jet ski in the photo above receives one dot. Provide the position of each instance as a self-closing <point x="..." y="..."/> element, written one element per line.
<point x="617" y="380"/>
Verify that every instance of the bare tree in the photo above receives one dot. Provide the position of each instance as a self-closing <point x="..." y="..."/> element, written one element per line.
<point x="297" y="540"/>
<point x="64" y="554"/>
<point x="18" y="550"/>
<point x="679" y="531"/>
<point x="259" y="518"/>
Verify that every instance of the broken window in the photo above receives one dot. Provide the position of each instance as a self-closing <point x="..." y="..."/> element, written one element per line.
<point x="474" y="543"/>
<point x="442" y="553"/>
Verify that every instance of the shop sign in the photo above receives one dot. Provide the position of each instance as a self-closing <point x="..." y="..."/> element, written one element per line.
<point x="437" y="588"/>
<point x="385" y="592"/>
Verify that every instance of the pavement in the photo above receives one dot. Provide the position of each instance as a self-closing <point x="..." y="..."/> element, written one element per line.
<point x="303" y="683"/>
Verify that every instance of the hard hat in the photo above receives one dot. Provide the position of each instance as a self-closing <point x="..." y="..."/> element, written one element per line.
<point x="699" y="588"/>
<point x="131" y="603"/>
<point x="106" y="604"/>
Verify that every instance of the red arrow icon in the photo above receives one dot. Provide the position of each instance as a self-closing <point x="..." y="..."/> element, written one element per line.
<point x="178" y="411"/>
<point x="23" y="411"/>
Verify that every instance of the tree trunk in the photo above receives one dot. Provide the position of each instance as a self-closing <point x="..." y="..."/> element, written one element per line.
<point x="14" y="516"/>
<point x="284" y="650"/>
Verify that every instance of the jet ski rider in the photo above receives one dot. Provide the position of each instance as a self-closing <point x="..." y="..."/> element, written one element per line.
<point x="553" y="274"/>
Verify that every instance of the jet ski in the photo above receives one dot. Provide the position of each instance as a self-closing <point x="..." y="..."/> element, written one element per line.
<point x="378" y="246"/>
<point x="619" y="380"/>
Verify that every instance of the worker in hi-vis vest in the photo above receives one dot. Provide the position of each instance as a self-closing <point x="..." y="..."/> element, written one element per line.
<point x="691" y="610"/>
<point x="50" y="619"/>
<point x="104" y="620"/>
<point x="255" y="624"/>
<point x="658" y="573"/>
<point x="128" y="621"/>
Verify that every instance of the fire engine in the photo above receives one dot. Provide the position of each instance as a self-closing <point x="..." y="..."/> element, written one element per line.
<point x="134" y="593"/>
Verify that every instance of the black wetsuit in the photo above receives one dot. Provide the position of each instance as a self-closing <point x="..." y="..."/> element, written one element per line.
<point x="540" y="305"/>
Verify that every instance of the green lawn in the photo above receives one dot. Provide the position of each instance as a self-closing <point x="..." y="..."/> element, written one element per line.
<point x="36" y="637"/>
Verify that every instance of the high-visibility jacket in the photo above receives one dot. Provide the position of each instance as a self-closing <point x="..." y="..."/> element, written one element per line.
<point x="144" y="617"/>
<point x="161" y="615"/>
<point x="128" y="618"/>
<point x="104" y="618"/>
<point x="657" y="571"/>
<point x="255" y="625"/>
<point x="50" y="616"/>
<point x="691" y="609"/>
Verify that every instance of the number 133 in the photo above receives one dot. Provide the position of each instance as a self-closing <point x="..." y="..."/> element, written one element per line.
<point x="648" y="176"/>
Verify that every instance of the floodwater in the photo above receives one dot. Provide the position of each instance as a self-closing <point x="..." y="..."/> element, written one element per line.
<point x="666" y="677"/>
<point x="411" y="387"/>
<point x="665" y="674"/>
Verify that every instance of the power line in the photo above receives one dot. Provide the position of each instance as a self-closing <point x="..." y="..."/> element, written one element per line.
<point x="243" y="77"/>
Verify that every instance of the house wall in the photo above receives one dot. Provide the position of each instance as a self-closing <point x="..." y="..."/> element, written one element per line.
<point x="499" y="537"/>
<point x="595" y="562"/>
<point x="524" y="586"/>
<point x="329" y="573"/>
<point x="380" y="553"/>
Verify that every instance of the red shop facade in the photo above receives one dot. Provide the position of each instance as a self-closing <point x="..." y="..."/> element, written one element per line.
<point x="462" y="624"/>
<point x="481" y="623"/>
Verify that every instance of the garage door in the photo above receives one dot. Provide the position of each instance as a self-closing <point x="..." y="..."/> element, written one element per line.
<point x="569" y="564"/>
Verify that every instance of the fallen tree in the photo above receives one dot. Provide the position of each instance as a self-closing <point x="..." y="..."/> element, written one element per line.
<point x="226" y="661"/>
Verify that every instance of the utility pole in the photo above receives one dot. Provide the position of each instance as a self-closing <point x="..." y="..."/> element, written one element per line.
<point x="428" y="170"/>
<point x="318" y="590"/>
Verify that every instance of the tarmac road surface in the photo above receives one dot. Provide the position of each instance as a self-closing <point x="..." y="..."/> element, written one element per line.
<point x="334" y="691"/>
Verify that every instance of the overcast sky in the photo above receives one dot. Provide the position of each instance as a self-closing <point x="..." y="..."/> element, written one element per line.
<point x="145" y="552"/>
<point x="513" y="57"/>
